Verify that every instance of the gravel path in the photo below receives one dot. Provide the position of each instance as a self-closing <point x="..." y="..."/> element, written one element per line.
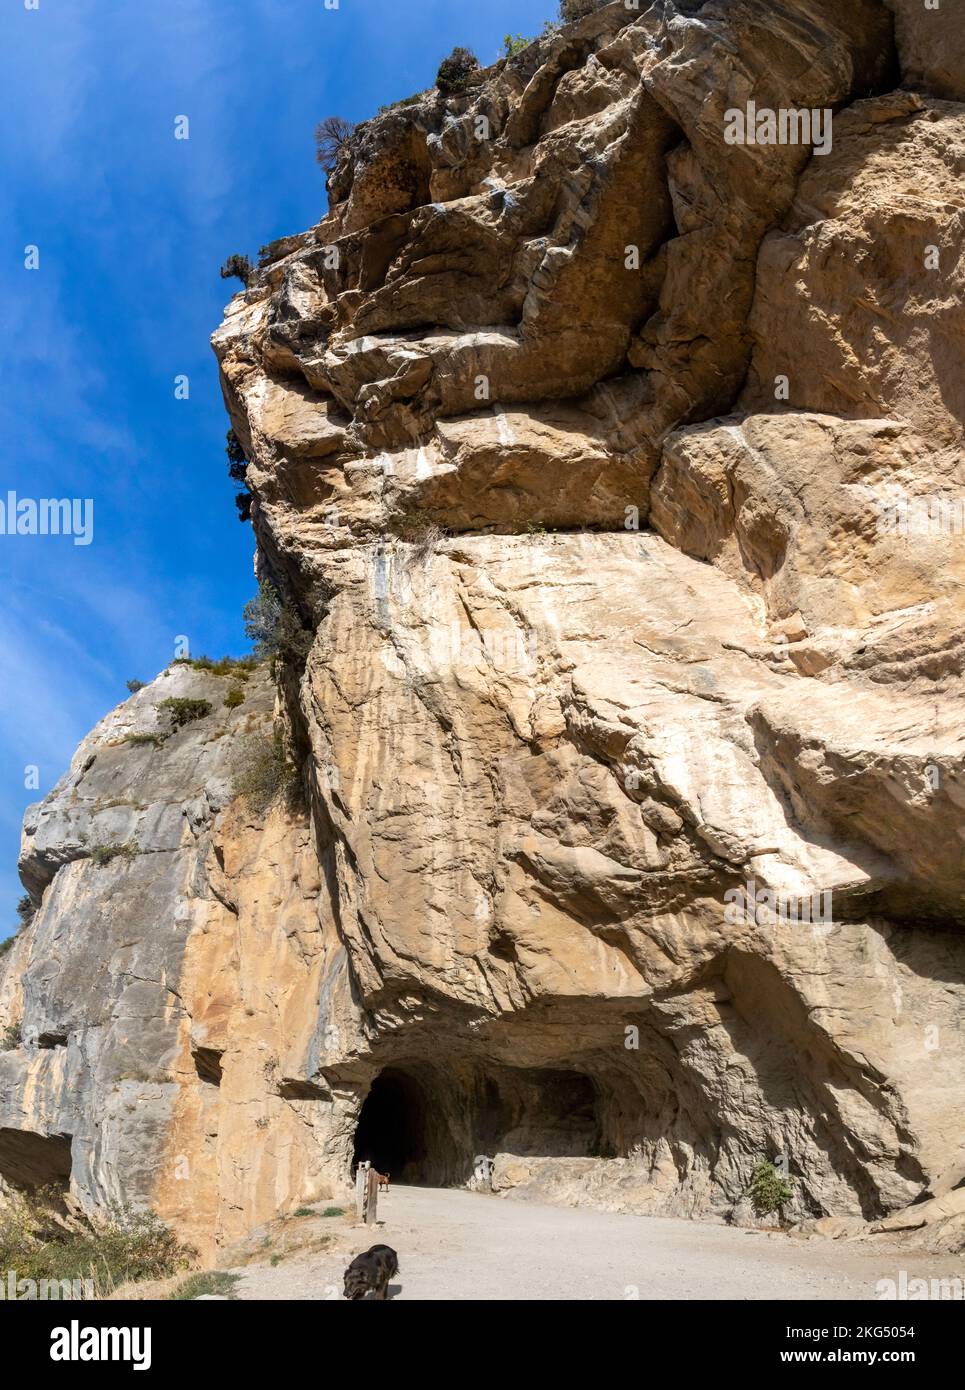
<point x="461" y="1245"/>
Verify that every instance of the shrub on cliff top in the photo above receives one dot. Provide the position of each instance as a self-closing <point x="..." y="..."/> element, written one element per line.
<point x="454" y="71"/>
<point x="237" y="266"/>
<point x="403" y="101"/>
<point x="240" y="667"/>
<point x="330" y="135"/>
<point x="572" y="10"/>
<point x="515" y="43"/>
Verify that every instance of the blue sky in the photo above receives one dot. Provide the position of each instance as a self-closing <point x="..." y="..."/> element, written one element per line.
<point x="131" y="227"/>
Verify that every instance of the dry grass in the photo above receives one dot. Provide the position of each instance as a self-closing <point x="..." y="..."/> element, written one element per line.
<point x="41" y="1238"/>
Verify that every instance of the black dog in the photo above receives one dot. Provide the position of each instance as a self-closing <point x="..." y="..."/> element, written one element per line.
<point x="371" y="1270"/>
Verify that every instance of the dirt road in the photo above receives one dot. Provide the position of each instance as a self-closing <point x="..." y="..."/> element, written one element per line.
<point x="460" y="1245"/>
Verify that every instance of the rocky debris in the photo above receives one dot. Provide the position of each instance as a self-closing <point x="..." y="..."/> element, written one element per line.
<point x="615" y="466"/>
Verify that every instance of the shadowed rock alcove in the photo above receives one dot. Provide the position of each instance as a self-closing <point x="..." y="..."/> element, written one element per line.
<point x="29" y="1160"/>
<point x="423" y="1125"/>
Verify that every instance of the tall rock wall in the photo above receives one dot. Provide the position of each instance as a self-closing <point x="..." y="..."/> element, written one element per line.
<point x="586" y="444"/>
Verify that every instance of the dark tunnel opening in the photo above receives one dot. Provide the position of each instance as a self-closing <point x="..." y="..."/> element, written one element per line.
<point x="391" y="1133"/>
<point x="425" y="1125"/>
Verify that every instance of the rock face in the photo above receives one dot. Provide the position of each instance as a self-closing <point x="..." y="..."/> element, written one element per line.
<point x="617" y="469"/>
<point x="160" y="998"/>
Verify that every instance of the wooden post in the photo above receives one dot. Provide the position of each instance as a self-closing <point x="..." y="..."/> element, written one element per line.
<point x="371" y="1196"/>
<point x="361" y="1181"/>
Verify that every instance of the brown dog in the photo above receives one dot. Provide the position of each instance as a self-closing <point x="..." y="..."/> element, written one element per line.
<point x="383" y="1181"/>
<point x="371" y="1271"/>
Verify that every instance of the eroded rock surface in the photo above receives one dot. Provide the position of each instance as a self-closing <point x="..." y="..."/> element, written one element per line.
<point x="618" y="472"/>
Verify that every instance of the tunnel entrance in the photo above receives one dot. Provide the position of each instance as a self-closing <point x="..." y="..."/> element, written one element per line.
<point x="391" y="1132"/>
<point x="423" y="1124"/>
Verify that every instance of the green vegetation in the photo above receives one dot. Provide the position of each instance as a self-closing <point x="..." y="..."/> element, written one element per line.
<point x="238" y="473"/>
<point x="303" y="1211"/>
<point x="40" y="1240"/>
<point x="237" y="460"/>
<point x="183" y="711"/>
<point x="265" y="773"/>
<point x="404" y="101"/>
<point x="211" y="1281"/>
<point x="234" y="697"/>
<point x="455" y="71"/>
<point x="138" y="740"/>
<point x="334" y="1211"/>
<point x="26" y="913"/>
<point x="135" y="686"/>
<point x="275" y="628"/>
<point x="104" y="854"/>
<point x="238" y="266"/>
<point x="515" y="43"/>
<point x="240" y="667"/>
<point x="10" y="1038"/>
<point x="770" y="1191"/>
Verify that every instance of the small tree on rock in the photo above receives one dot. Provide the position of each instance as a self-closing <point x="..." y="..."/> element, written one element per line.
<point x="455" y="70"/>
<point x="572" y="10"/>
<point x="237" y="463"/>
<point x="770" y="1191"/>
<point x="275" y="628"/>
<point x="239" y="266"/>
<point x="330" y="135"/>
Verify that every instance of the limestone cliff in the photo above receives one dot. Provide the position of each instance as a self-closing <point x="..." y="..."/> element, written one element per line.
<point x="585" y="442"/>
